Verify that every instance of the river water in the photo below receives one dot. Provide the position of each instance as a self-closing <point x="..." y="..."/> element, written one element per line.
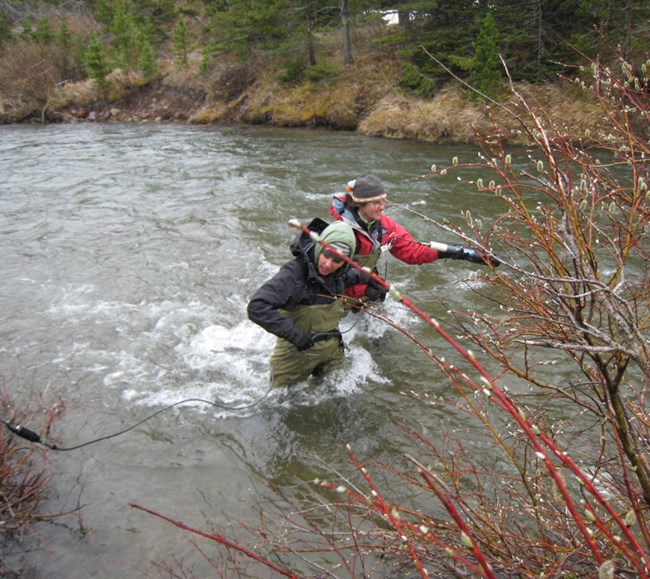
<point x="128" y="256"/>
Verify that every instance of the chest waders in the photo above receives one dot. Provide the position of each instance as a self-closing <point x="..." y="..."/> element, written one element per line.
<point x="370" y="260"/>
<point x="288" y="365"/>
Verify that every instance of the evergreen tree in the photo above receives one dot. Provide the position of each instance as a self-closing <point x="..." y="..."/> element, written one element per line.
<point x="447" y="29"/>
<point x="521" y="26"/>
<point x="64" y="36"/>
<point x="147" y="62"/>
<point x="345" y="24"/>
<point x="64" y="50"/>
<point x="126" y="33"/>
<point x="485" y="73"/>
<point x="104" y="13"/>
<point x="43" y="33"/>
<point x="275" y="25"/>
<point x="288" y="28"/>
<point x="96" y="63"/>
<point x="180" y="42"/>
<point x="27" y="28"/>
<point x="5" y="30"/>
<point x="79" y="50"/>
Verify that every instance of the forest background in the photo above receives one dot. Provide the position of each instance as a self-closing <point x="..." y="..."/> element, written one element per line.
<point x="308" y="63"/>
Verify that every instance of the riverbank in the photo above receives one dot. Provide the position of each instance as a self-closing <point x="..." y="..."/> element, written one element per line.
<point x="365" y="97"/>
<point x="375" y="110"/>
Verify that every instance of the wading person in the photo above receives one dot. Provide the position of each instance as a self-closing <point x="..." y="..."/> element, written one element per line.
<point x="362" y="207"/>
<point x="302" y="304"/>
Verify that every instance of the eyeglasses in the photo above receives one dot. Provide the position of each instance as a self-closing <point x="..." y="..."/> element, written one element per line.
<point x="380" y="203"/>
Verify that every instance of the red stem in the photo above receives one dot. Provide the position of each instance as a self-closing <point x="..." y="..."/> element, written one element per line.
<point x="218" y="539"/>
<point x="506" y="404"/>
<point x="389" y="513"/>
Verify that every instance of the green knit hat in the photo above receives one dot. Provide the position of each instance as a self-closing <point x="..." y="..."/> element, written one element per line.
<point x="341" y="236"/>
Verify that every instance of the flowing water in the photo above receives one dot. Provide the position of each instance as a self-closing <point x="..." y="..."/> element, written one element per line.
<point x="128" y="256"/>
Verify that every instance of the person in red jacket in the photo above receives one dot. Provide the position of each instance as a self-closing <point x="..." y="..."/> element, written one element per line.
<point x="362" y="207"/>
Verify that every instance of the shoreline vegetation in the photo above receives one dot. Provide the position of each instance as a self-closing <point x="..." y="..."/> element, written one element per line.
<point x="365" y="97"/>
<point x="450" y="117"/>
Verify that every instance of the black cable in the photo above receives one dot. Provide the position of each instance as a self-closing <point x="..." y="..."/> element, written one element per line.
<point x="32" y="436"/>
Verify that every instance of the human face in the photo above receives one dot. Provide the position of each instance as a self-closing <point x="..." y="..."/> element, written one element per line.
<point x="373" y="210"/>
<point x="327" y="265"/>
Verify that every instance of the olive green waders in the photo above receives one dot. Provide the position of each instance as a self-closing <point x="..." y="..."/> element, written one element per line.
<point x="369" y="261"/>
<point x="288" y="365"/>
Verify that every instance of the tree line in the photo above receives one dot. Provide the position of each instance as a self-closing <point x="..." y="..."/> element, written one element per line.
<point x="536" y="38"/>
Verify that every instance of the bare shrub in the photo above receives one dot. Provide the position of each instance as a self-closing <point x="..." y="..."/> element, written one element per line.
<point x="23" y="472"/>
<point x="27" y="78"/>
<point x="231" y="82"/>
<point x="33" y="10"/>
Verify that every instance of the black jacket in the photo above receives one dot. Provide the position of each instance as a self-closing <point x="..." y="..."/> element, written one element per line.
<point x="297" y="284"/>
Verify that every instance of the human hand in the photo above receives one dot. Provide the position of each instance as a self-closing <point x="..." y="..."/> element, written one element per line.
<point x="471" y="255"/>
<point x="304" y="343"/>
<point x="375" y="292"/>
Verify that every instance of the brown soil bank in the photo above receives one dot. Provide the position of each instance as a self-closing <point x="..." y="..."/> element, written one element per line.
<point x="450" y="116"/>
<point x="364" y="97"/>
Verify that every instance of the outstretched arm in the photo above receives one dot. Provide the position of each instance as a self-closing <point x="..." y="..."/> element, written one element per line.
<point x="458" y="252"/>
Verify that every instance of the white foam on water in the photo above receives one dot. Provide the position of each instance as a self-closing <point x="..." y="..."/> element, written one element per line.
<point x="222" y="364"/>
<point x="161" y="352"/>
<point x="360" y="371"/>
<point x="366" y="324"/>
<point x="229" y="366"/>
<point x="357" y="374"/>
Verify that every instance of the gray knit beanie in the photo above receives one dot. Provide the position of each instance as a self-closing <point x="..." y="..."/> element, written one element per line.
<point x="366" y="188"/>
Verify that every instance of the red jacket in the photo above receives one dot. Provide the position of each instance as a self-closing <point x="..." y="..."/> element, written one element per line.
<point x="386" y="234"/>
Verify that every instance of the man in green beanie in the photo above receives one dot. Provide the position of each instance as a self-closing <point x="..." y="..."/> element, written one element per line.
<point x="302" y="304"/>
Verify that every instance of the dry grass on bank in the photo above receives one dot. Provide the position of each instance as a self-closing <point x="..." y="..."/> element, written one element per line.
<point x="448" y="116"/>
<point x="86" y="94"/>
<point x="343" y="100"/>
<point x="364" y="97"/>
<point x="337" y="100"/>
<point x="452" y="116"/>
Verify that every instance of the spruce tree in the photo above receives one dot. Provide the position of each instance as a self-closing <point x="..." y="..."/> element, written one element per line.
<point x="104" y="13"/>
<point x="485" y="74"/>
<point x="96" y="63"/>
<point x="147" y="62"/>
<point x="64" y="55"/>
<point x="43" y="34"/>
<point x="124" y="31"/>
<point x="180" y="43"/>
<point x="5" y="30"/>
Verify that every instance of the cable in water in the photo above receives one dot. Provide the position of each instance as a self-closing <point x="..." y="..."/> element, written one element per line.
<point x="32" y="436"/>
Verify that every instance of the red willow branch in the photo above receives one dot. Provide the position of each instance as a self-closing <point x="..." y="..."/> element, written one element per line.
<point x="466" y="534"/>
<point x="420" y="530"/>
<point x="218" y="539"/>
<point x="538" y="440"/>
<point x="388" y="512"/>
